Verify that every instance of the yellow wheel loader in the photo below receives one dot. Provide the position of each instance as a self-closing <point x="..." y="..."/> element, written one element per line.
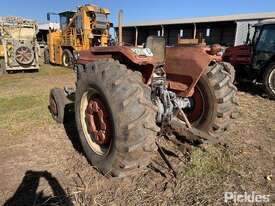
<point x="79" y="30"/>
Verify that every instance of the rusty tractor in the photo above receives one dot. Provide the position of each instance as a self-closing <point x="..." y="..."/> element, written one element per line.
<point x="127" y="98"/>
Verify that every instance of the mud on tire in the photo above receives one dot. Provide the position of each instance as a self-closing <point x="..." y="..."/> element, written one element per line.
<point x="131" y="117"/>
<point x="218" y="93"/>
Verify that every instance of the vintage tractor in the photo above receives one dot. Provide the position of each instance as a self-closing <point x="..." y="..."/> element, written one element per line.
<point x="18" y="44"/>
<point x="127" y="98"/>
<point x="255" y="61"/>
<point x="80" y="30"/>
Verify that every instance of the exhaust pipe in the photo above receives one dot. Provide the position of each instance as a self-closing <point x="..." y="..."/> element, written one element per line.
<point x="120" y="40"/>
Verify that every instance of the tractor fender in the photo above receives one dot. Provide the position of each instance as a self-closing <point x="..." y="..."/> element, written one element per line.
<point x="184" y="67"/>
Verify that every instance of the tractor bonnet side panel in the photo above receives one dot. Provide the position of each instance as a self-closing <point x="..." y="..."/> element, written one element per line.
<point x="125" y="55"/>
<point x="184" y="67"/>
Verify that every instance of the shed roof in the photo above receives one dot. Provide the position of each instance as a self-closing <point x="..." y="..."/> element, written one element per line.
<point x="233" y="17"/>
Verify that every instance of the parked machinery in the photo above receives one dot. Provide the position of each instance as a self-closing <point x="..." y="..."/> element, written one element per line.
<point x="128" y="98"/>
<point x="18" y="45"/>
<point x="255" y="61"/>
<point x="79" y="30"/>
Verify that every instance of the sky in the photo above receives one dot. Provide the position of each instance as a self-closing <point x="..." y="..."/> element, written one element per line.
<point x="138" y="10"/>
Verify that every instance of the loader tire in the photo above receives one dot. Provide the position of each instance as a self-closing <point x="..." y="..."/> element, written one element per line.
<point x="57" y="103"/>
<point x="67" y="58"/>
<point x="46" y="56"/>
<point x="214" y="101"/>
<point x="117" y="103"/>
<point x="269" y="81"/>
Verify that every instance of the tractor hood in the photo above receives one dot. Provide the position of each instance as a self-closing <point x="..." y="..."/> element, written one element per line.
<point x="238" y="55"/>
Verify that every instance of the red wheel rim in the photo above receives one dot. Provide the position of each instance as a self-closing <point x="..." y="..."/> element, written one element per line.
<point x="97" y="120"/>
<point x="197" y="109"/>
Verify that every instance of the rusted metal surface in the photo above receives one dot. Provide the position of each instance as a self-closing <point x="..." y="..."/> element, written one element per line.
<point x="97" y="121"/>
<point x="125" y="55"/>
<point x="185" y="65"/>
<point x="215" y="49"/>
<point x="239" y="55"/>
<point x="113" y="51"/>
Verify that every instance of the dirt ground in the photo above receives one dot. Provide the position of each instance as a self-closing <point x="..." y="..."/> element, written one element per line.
<point x="42" y="163"/>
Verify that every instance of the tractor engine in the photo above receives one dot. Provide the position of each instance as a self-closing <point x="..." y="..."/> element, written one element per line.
<point x="168" y="103"/>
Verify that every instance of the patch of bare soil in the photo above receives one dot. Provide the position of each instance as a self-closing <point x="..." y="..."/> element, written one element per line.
<point x="49" y="168"/>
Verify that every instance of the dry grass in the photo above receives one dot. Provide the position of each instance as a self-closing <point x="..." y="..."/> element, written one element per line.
<point x="23" y="100"/>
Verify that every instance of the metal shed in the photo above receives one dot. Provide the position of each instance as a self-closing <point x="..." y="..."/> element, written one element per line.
<point x="227" y="30"/>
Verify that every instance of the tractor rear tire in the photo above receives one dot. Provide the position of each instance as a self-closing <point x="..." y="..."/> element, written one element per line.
<point x="269" y="81"/>
<point x="67" y="58"/>
<point x="229" y="68"/>
<point x="57" y="103"/>
<point x="46" y="56"/>
<point x="128" y="115"/>
<point x="216" y="93"/>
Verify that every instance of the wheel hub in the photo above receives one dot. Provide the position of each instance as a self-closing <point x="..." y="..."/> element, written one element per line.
<point x="97" y="121"/>
<point x="197" y="109"/>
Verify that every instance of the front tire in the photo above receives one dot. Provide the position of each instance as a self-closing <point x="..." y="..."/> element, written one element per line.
<point x="115" y="118"/>
<point x="269" y="81"/>
<point x="57" y="103"/>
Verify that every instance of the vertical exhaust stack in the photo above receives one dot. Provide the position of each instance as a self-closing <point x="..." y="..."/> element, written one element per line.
<point x="120" y="40"/>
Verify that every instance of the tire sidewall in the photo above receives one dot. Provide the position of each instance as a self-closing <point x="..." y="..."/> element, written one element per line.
<point x="209" y="98"/>
<point x="103" y="163"/>
<point x="58" y="97"/>
<point x="270" y="70"/>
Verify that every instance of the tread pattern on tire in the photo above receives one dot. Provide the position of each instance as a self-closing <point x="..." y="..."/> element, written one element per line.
<point x="229" y="68"/>
<point x="135" y="117"/>
<point x="225" y="93"/>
